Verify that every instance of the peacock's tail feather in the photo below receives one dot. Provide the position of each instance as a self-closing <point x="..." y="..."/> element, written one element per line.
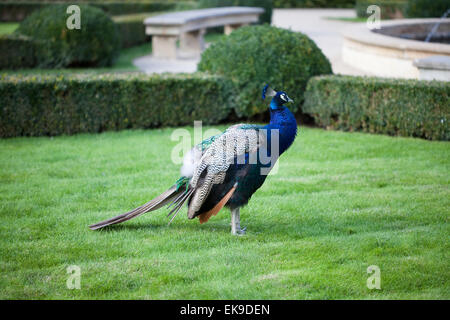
<point x="175" y="195"/>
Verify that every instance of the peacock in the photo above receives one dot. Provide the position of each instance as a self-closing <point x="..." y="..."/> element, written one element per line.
<point x="225" y="169"/>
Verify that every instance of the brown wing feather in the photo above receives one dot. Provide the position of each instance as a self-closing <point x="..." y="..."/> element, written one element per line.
<point x="204" y="217"/>
<point x="211" y="170"/>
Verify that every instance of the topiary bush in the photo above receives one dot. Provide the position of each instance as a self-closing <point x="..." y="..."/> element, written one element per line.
<point x="255" y="55"/>
<point x="377" y="105"/>
<point x="426" y="8"/>
<point x="96" y="44"/>
<point x="266" y="17"/>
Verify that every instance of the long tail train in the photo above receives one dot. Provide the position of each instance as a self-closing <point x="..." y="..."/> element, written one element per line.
<point x="175" y="196"/>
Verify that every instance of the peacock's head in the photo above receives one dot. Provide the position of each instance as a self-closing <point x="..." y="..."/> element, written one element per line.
<point x="279" y="97"/>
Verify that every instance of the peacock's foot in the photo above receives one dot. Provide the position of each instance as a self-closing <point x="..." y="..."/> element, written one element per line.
<point x="239" y="232"/>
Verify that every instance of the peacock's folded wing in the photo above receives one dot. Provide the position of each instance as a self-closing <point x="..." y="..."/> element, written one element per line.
<point x="233" y="145"/>
<point x="205" y="144"/>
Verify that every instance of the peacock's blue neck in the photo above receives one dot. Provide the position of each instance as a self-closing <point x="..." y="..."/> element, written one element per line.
<point x="274" y="105"/>
<point x="282" y="119"/>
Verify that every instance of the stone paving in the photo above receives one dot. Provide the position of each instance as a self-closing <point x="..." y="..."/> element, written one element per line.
<point x="325" y="32"/>
<point x="150" y="64"/>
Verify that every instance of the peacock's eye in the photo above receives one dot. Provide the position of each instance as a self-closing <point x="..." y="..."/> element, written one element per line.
<point x="283" y="96"/>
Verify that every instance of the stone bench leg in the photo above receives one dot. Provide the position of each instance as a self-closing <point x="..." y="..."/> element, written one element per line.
<point x="164" y="47"/>
<point x="231" y="27"/>
<point x="192" y="44"/>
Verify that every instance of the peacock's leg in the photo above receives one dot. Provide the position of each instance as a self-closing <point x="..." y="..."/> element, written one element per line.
<point x="236" y="222"/>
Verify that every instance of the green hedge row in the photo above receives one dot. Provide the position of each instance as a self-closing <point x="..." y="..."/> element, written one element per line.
<point x="391" y="9"/>
<point x="17" y="11"/>
<point x="426" y="8"/>
<point x="36" y="105"/>
<point x="314" y="3"/>
<point x="118" y="8"/>
<point x="17" y="52"/>
<point x="131" y="29"/>
<point x="389" y="106"/>
<point x="53" y="105"/>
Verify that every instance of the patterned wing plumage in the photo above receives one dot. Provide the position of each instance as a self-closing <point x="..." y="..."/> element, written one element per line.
<point x="228" y="148"/>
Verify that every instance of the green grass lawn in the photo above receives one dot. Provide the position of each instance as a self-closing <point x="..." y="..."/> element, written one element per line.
<point x="339" y="203"/>
<point x="8" y="27"/>
<point x="347" y="19"/>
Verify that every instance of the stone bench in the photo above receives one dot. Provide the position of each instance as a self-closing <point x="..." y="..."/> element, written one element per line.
<point x="189" y="27"/>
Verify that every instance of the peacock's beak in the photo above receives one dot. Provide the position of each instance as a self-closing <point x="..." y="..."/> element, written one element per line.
<point x="290" y="100"/>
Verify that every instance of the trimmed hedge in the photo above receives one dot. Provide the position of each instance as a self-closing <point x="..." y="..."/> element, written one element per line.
<point x="376" y="105"/>
<point x="426" y="8"/>
<point x="314" y="3"/>
<point x="266" y="17"/>
<point x="131" y="29"/>
<point x="53" y="105"/>
<point x="17" y="52"/>
<point x="119" y="8"/>
<point x="255" y="55"/>
<point x="97" y="43"/>
<point x="17" y="11"/>
<point x="389" y="9"/>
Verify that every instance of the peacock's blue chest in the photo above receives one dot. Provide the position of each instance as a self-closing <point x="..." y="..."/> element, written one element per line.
<point x="281" y="132"/>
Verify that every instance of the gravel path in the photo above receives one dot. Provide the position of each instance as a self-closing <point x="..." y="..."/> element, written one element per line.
<point x="325" y="32"/>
